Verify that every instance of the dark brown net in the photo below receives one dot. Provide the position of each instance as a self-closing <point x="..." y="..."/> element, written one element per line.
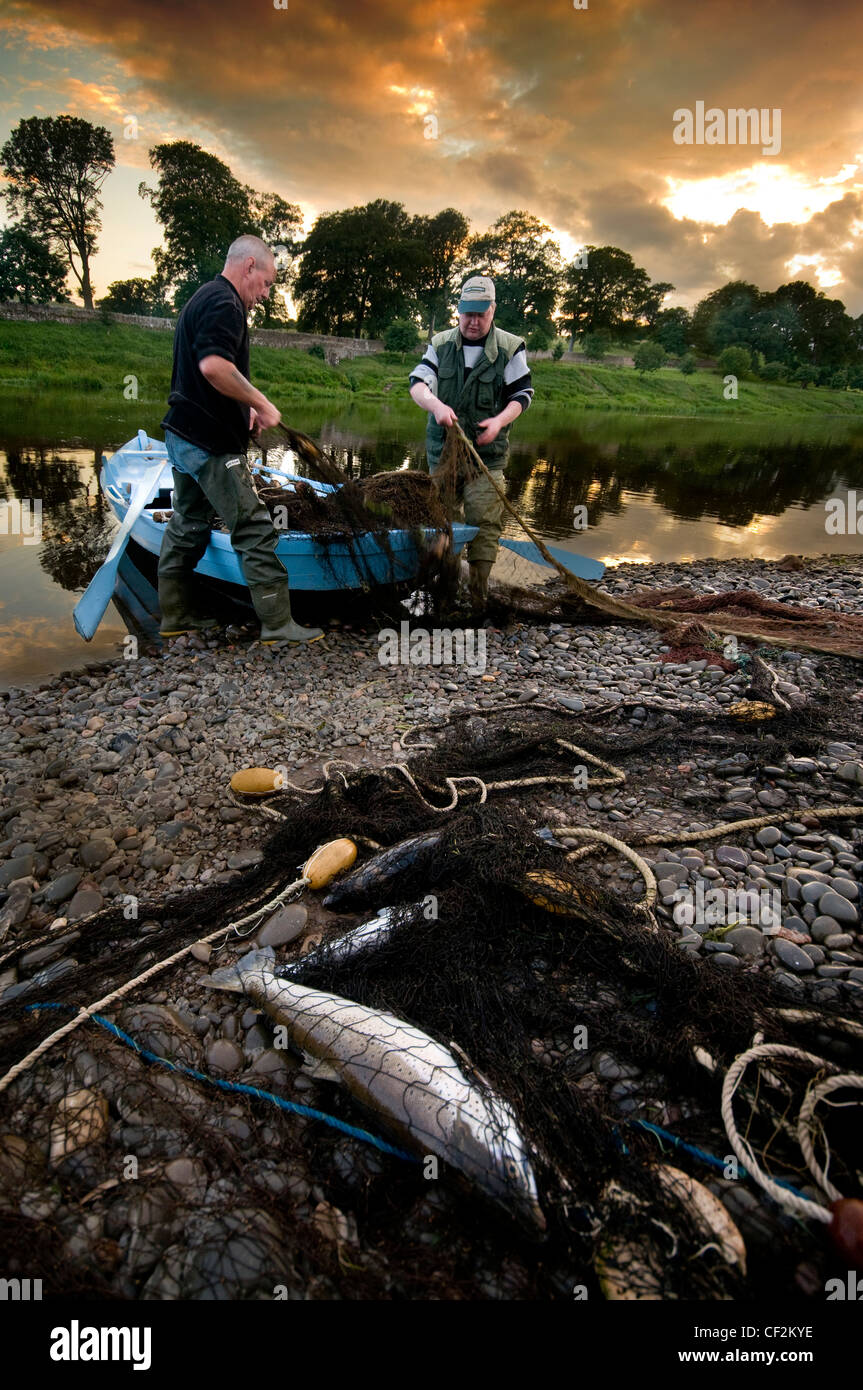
<point x="124" y="1178"/>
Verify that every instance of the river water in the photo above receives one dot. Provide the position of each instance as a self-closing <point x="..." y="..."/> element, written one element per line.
<point x="651" y="489"/>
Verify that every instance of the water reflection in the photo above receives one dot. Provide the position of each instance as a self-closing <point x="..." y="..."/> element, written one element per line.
<point x="653" y="490"/>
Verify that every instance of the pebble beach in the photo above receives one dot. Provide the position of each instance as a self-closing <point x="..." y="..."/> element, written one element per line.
<point x="114" y="785"/>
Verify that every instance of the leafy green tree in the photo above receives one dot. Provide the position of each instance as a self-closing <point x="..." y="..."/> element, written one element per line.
<point x="136" y="296"/>
<point x="609" y="292"/>
<point x="671" y="330"/>
<point x="596" y="345"/>
<point x="688" y="363"/>
<point x="735" y="361"/>
<point x="648" y="357"/>
<point x="401" y="336"/>
<point x="441" y="240"/>
<point x="805" y="374"/>
<point x="359" y="269"/>
<point x="539" y="340"/>
<point x="774" y="371"/>
<point x="279" y="224"/>
<point x="839" y="379"/>
<point x="202" y="209"/>
<point x="558" y="350"/>
<point x="724" y="317"/>
<point x="30" y="272"/>
<point x="55" y="167"/>
<point x="525" y="265"/>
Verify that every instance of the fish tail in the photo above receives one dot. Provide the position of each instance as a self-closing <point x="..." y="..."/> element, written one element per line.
<point x="230" y="977"/>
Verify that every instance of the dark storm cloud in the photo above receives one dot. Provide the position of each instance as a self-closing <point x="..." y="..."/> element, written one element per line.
<point x="566" y="113"/>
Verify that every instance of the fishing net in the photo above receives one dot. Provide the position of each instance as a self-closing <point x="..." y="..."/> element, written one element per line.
<point x="569" y="1008"/>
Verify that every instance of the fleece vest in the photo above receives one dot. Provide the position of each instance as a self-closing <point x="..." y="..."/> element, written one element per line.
<point x="474" y="398"/>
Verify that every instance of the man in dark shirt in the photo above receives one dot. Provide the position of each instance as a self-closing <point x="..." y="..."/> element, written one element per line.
<point x="212" y="409"/>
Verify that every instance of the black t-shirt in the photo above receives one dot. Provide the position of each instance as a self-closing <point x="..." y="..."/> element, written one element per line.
<point x="213" y="323"/>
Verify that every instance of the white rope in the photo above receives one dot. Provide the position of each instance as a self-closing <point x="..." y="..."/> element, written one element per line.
<point x="585" y="832"/>
<point x="86" y="1012"/>
<point x="800" y="1206"/>
<point x="807" y="1124"/>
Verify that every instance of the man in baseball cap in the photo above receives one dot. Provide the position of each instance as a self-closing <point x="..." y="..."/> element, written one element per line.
<point x="476" y="374"/>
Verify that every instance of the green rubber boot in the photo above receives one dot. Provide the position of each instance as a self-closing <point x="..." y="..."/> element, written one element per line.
<point x="273" y="607"/>
<point x="478" y="584"/>
<point x="177" y="605"/>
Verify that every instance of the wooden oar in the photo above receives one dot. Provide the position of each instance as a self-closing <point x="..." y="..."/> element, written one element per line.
<point x="90" y="608"/>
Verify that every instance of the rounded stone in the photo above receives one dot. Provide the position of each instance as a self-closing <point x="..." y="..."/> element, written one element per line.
<point x="284" y="926"/>
<point x="63" y="886"/>
<point x="745" y="941"/>
<point x="822" y="927"/>
<point x="832" y="904"/>
<point x="223" y="1055"/>
<point x="726" y="960"/>
<point x="732" y="856"/>
<point x="792" y="957"/>
<point x="769" y="836"/>
<point x="85" y="902"/>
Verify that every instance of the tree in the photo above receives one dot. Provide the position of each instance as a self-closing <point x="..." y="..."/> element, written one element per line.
<point x="358" y="271"/>
<point x="725" y="317"/>
<point x="525" y="266"/>
<point x="805" y="374"/>
<point x="442" y="240"/>
<point x="29" y="271"/>
<point x="401" y="336"/>
<point x="648" y="357"/>
<point x="279" y="224"/>
<point x="558" y="350"/>
<point x="671" y="330"/>
<point x="596" y="345"/>
<point x="539" y="340"/>
<point x="735" y="361"/>
<point x="202" y="209"/>
<point x="774" y="371"/>
<point x="55" y="167"/>
<point x="609" y="292"/>
<point x="688" y="363"/>
<point x="136" y="296"/>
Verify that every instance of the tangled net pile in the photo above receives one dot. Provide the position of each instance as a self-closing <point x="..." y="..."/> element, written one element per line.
<point x="525" y="968"/>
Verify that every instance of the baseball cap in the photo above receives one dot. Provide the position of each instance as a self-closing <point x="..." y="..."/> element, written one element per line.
<point x="477" y="295"/>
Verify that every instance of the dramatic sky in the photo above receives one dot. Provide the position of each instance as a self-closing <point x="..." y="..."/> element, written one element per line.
<point x="566" y="112"/>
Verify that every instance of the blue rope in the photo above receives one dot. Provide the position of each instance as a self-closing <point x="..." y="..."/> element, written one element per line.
<point x="700" y="1154"/>
<point x="238" y="1087"/>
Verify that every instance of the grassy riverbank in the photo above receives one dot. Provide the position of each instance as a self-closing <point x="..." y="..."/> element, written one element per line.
<point x="116" y="363"/>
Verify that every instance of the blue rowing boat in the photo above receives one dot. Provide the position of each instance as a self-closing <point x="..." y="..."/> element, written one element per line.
<point x="310" y="565"/>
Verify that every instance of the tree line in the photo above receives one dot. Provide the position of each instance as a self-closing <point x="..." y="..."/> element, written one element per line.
<point x="379" y="270"/>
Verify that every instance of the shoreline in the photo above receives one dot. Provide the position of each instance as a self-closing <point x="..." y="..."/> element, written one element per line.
<point x="135" y="753"/>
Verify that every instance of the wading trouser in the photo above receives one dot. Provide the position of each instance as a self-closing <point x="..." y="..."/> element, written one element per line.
<point x="223" y="487"/>
<point x="483" y="508"/>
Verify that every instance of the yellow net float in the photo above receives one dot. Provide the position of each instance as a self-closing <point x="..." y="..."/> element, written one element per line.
<point x="565" y="899"/>
<point x="751" y="710"/>
<point x="328" y="860"/>
<point x="257" y="781"/>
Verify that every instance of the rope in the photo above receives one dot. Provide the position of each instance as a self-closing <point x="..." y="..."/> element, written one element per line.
<point x="87" y="1012"/>
<point x="687" y="837"/>
<point x="665" y="622"/>
<point x="585" y="832"/>
<point x="799" y="1206"/>
<point x="239" y="1087"/>
<point x="806" y="1125"/>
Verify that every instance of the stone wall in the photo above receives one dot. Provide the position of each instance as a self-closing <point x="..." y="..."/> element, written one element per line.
<point x="335" y="348"/>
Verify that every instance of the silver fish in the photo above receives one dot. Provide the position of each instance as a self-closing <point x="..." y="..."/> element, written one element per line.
<point x="414" y="1083"/>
